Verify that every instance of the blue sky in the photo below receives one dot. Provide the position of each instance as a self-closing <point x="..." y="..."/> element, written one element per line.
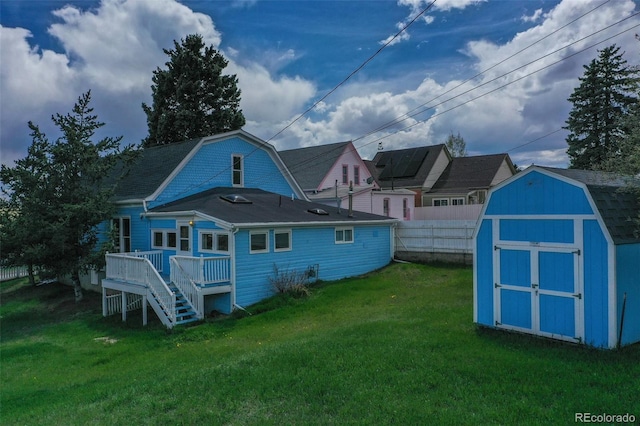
<point x="289" y="54"/>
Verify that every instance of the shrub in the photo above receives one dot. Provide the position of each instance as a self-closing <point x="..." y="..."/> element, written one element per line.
<point x="290" y="281"/>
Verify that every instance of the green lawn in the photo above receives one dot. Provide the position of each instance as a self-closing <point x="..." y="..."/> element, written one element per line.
<point x="395" y="347"/>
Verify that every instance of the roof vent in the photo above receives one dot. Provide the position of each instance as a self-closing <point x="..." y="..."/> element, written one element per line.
<point x="319" y="212"/>
<point x="235" y="199"/>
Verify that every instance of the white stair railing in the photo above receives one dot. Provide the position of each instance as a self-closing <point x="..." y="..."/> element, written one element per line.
<point x="140" y="270"/>
<point x="181" y="279"/>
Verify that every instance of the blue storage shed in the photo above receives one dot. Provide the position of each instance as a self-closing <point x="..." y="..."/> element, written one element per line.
<point x="557" y="254"/>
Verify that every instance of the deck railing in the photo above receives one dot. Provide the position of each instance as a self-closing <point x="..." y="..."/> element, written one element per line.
<point x="206" y="270"/>
<point x="181" y="279"/>
<point x="140" y="270"/>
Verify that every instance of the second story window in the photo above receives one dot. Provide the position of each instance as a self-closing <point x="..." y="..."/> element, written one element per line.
<point x="237" y="170"/>
<point x="356" y="175"/>
<point x="345" y="174"/>
<point x="385" y="207"/>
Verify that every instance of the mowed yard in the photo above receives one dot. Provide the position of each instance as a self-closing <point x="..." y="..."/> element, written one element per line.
<point x="397" y="346"/>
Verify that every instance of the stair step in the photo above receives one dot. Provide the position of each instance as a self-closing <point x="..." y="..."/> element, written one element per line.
<point x="186" y="321"/>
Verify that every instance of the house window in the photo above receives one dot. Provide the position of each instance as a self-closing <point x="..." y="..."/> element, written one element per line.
<point x="482" y="196"/>
<point x="282" y="240"/>
<point x="356" y="175"/>
<point x="344" y="235"/>
<point x="345" y="174"/>
<point x="441" y="202"/>
<point x="185" y="244"/>
<point x="237" y="163"/>
<point x="214" y="242"/>
<point x="457" y="201"/>
<point x="163" y="239"/>
<point x="405" y="209"/>
<point x="259" y="242"/>
<point x="122" y="232"/>
<point x="385" y="207"/>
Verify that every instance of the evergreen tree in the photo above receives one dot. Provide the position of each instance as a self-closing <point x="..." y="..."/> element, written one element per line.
<point x="57" y="195"/>
<point x="456" y="145"/>
<point x="191" y="97"/>
<point x="605" y="94"/>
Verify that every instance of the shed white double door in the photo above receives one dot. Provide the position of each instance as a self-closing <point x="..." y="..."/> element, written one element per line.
<point x="538" y="290"/>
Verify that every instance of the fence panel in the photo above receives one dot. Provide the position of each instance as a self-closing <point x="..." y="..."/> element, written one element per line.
<point x="11" y="272"/>
<point x="435" y="236"/>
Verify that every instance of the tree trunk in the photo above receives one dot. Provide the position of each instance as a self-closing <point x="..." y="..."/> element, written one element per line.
<point x="32" y="278"/>
<point x="77" y="288"/>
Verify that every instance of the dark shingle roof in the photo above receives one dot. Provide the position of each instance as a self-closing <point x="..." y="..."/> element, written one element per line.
<point x="617" y="204"/>
<point x="407" y="168"/>
<point x="152" y="167"/>
<point x="310" y="165"/>
<point x="266" y="207"/>
<point x="466" y="173"/>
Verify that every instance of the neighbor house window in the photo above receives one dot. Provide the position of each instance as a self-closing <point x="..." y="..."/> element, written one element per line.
<point x="405" y="208"/>
<point x="237" y="166"/>
<point x="345" y="174"/>
<point x="259" y="242"/>
<point x="282" y="240"/>
<point x="441" y="202"/>
<point x="457" y="201"/>
<point x="356" y="175"/>
<point x="385" y="207"/>
<point x="122" y="233"/>
<point x="214" y="241"/>
<point x="344" y="235"/>
<point x="163" y="239"/>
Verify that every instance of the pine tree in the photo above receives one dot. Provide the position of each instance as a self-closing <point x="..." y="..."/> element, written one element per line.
<point x="456" y="145"/>
<point x="191" y="97"/>
<point x="605" y="94"/>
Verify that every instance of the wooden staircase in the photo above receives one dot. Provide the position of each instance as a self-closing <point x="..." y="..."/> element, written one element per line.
<point x="185" y="313"/>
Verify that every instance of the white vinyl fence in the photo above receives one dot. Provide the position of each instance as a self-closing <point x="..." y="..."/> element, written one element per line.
<point x="11" y="272"/>
<point x="446" y="240"/>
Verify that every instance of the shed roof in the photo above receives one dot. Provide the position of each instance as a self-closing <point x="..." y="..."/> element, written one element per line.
<point x="466" y="173"/>
<point x="264" y="208"/>
<point x="617" y="204"/>
<point x="311" y="164"/>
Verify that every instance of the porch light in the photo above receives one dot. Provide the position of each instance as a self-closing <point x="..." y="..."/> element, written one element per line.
<point x="191" y="223"/>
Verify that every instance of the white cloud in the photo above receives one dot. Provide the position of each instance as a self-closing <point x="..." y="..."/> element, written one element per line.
<point x="533" y="18"/>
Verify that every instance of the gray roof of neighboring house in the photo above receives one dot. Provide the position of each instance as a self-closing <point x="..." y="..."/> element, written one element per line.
<point x="618" y="206"/>
<point x="150" y="169"/>
<point x="467" y="173"/>
<point x="310" y="165"/>
<point x="406" y="168"/>
<point x="265" y="207"/>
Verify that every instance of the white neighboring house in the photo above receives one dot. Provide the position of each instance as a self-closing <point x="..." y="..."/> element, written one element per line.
<point x="328" y="173"/>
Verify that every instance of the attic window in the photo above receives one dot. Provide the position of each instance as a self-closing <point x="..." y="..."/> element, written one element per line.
<point x="235" y="199"/>
<point x="319" y="212"/>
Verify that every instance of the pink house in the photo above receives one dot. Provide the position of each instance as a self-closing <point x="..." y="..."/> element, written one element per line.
<point x="327" y="172"/>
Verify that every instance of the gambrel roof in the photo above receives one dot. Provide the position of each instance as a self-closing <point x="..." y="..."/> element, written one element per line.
<point x="618" y="205"/>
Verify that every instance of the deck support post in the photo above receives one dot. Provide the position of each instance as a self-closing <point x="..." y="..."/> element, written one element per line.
<point x="124" y="306"/>
<point x="144" y="309"/>
<point x="104" y="302"/>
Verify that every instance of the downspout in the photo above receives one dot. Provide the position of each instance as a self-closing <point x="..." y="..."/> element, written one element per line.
<point x="234" y="231"/>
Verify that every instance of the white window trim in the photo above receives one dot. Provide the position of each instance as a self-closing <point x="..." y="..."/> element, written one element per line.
<point x="282" y="231"/>
<point x="441" y="200"/>
<point x="214" y="236"/>
<point x="457" y="199"/>
<point x="356" y="175"/>
<point x="345" y="176"/>
<point x="266" y="250"/>
<point x="344" y="228"/>
<point x="165" y="239"/>
<point x="233" y="170"/>
<point x="121" y="238"/>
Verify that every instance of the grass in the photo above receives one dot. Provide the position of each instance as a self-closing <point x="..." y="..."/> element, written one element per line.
<point x="395" y="347"/>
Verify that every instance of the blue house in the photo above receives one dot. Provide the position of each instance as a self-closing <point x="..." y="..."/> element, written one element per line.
<point x="556" y="255"/>
<point x="203" y="223"/>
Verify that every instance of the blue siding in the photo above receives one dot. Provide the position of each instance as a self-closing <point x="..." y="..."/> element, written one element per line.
<point x="310" y="246"/>
<point x="596" y="283"/>
<point x="515" y="308"/>
<point x="537" y="193"/>
<point x="515" y="267"/>
<point x="556" y="271"/>
<point x="537" y="230"/>
<point x="211" y="167"/>
<point x="484" y="273"/>
<point x="139" y="228"/>
<point x="628" y="278"/>
<point x="557" y="315"/>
